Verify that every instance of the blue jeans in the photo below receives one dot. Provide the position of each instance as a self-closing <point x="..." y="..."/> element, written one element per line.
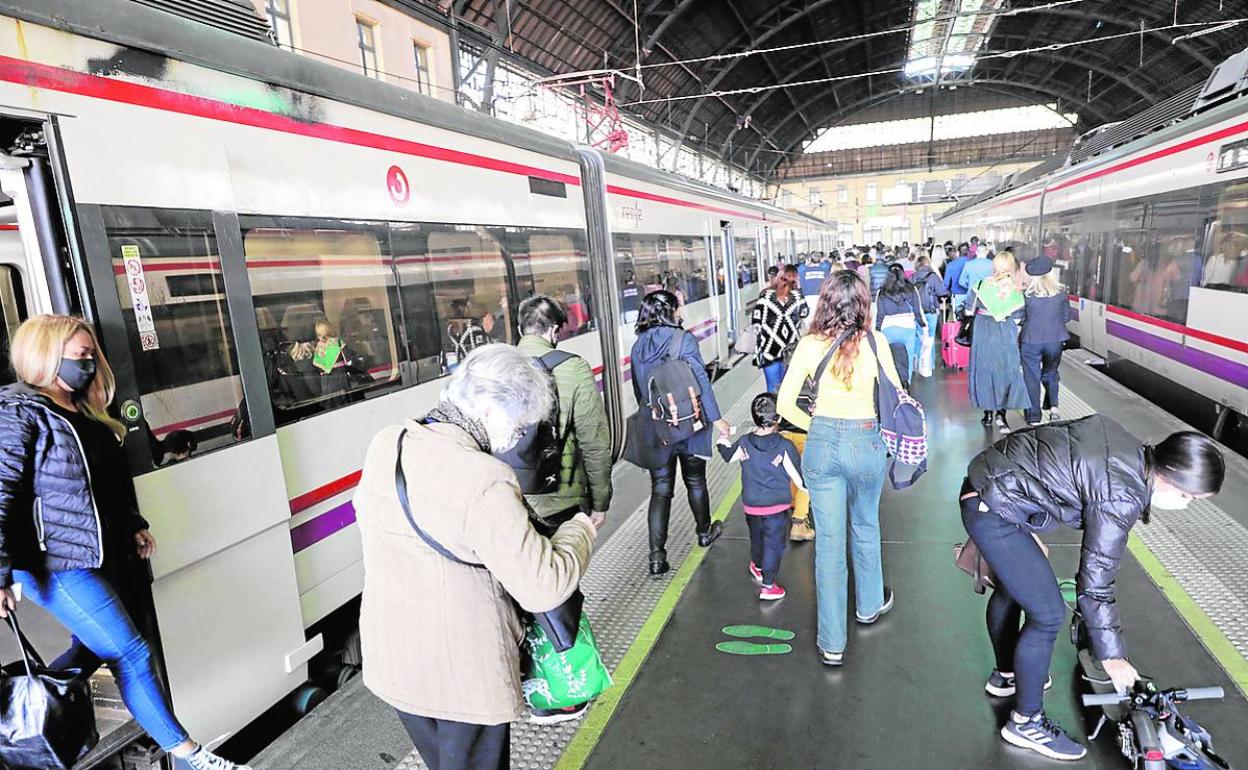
<point x="773" y="373"/>
<point x="1041" y="365"/>
<point x="768" y="536"/>
<point x="910" y="339"/>
<point x="844" y="465"/>
<point x="1025" y="583"/>
<point x="933" y="329"/>
<point x="87" y="606"/>
<point x="959" y="302"/>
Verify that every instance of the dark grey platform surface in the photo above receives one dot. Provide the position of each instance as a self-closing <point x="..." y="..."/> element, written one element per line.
<point x="910" y="694"/>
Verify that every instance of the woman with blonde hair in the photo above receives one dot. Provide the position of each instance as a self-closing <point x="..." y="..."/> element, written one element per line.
<point x="69" y="517"/>
<point x="995" y="378"/>
<point x="1044" y="331"/>
<point x="844" y="457"/>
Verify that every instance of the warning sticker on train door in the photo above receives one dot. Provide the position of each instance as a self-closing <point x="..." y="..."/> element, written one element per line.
<point x="136" y="281"/>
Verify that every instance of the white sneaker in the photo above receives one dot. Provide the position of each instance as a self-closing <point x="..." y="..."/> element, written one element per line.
<point x="203" y="759"/>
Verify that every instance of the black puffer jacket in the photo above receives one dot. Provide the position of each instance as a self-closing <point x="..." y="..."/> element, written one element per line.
<point x="48" y="515"/>
<point x="1088" y="474"/>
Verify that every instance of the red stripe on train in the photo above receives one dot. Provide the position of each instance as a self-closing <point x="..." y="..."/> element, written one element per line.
<point x="1188" y="331"/>
<point x="324" y="492"/>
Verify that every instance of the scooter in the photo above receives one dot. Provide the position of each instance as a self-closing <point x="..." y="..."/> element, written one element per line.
<point x="1153" y="733"/>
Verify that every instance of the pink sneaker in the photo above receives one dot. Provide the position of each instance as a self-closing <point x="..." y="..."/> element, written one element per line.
<point x="772" y="593"/>
<point x="756" y="573"/>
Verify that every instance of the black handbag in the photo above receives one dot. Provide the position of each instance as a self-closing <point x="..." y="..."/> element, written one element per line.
<point x="966" y="331"/>
<point x="47" y="718"/>
<point x="561" y="624"/>
<point x="810" y="386"/>
<point x="641" y="446"/>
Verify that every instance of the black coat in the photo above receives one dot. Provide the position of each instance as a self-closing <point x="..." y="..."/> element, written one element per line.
<point x="1088" y="474"/>
<point x="48" y="514"/>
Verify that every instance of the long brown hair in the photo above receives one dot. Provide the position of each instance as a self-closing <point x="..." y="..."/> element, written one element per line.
<point x="784" y="281"/>
<point x="844" y="306"/>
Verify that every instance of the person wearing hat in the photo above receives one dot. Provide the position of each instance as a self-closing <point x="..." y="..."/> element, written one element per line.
<point x="1045" y="314"/>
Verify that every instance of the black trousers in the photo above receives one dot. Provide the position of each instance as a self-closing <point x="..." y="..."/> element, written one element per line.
<point x="663" y="486"/>
<point x="447" y="745"/>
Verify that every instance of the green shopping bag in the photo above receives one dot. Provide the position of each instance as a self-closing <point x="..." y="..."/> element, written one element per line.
<point x="557" y="680"/>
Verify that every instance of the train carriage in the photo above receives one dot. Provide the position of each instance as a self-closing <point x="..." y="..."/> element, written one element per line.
<point x="1146" y="222"/>
<point x="213" y="204"/>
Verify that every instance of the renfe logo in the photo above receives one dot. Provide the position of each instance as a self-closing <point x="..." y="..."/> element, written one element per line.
<point x="396" y="183"/>
<point x="631" y="213"/>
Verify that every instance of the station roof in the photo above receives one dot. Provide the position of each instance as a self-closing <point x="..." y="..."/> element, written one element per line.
<point x="905" y="42"/>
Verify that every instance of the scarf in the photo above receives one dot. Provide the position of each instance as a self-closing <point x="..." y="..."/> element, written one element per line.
<point x="1000" y="308"/>
<point x="446" y="412"/>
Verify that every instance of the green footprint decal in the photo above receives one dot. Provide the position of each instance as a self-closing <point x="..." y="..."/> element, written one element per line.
<point x="750" y="648"/>
<point x="759" y="632"/>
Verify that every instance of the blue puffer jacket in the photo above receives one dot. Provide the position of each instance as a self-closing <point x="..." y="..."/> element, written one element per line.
<point x="48" y="515"/>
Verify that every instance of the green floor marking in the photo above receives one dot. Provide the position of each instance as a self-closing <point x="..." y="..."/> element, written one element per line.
<point x="590" y="731"/>
<point x="1069" y="591"/>
<point x="759" y="632"/>
<point x="750" y="648"/>
<point x="1210" y="635"/>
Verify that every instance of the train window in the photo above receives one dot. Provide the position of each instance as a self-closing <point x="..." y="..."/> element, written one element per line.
<point x="181" y="342"/>
<point x="698" y="286"/>
<point x="469" y="280"/>
<point x="631" y="289"/>
<point x="1226" y="252"/>
<point x="11" y="312"/>
<point x="746" y="252"/>
<point x="557" y="265"/>
<point x="411" y="258"/>
<point x="1154" y="257"/>
<point x="327" y="311"/>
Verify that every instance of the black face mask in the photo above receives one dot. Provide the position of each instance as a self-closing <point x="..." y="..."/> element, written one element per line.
<point x="77" y="373"/>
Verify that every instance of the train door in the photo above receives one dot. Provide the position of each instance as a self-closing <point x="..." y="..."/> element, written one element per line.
<point x="733" y="280"/>
<point x="769" y="246"/>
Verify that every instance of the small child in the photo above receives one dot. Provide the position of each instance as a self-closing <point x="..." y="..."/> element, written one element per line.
<point x="769" y="462"/>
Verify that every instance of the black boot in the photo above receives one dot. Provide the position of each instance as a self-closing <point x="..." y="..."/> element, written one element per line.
<point x="987" y="417"/>
<point x="658" y="564"/>
<point x="711" y="534"/>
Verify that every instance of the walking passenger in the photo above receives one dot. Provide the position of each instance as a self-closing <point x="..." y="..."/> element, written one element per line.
<point x="585" y="477"/>
<point x="62" y="456"/>
<point x="769" y="464"/>
<point x="899" y="314"/>
<point x="877" y="273"/>
<point x="661" y="338"/>
<point x="1090" y="475"/>
<point x="777" y="316"/>
<point x="953" y="276"/>
<point x="1044" y="332"/>
<point x="810" y="275"/>
<point x="932" y="291"/>
<point x="975" y="270"/>
<point x="995" y="378"/>
<point x="441" y="639"/>
<point x="844" y="460"/>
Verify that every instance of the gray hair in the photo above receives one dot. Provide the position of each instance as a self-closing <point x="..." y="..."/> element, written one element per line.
<point x="503" y="389"/>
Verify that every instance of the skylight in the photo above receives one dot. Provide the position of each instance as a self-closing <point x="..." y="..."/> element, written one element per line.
<point x="946" y="36"/>
<point x="960" y="126"/>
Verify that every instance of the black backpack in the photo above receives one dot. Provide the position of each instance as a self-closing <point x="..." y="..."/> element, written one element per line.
<point x="537" y="458"/>
<point x="674" y="396"/>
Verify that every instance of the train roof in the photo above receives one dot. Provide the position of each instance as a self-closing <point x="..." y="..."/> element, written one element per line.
<point x="1189" y="110"/>
<point x="149" y="26"/>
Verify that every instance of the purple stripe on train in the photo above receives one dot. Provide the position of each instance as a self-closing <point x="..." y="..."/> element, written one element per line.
<point x="1224" y="369"/>
<point x="315" y="530"/>
<point x="709" y="328"/>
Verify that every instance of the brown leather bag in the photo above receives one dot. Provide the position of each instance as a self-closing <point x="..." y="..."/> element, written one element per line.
<point x="966" y="557"/>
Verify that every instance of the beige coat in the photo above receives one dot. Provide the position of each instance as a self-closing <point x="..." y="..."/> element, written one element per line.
<point x="440" y="639"/>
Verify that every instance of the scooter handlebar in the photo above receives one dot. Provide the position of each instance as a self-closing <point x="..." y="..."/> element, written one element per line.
<point x="1103" y="699"/>
<point x="1203" y="693"/>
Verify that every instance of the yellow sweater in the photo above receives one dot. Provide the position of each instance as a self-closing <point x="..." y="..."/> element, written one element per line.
<point x="834" y="400"/>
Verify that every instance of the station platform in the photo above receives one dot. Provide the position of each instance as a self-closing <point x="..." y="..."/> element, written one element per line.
<point x="911" y="691"/>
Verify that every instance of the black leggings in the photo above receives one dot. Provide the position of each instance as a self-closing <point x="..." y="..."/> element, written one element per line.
<point x="663" y="486"/>
<point x="1025" y="583"/>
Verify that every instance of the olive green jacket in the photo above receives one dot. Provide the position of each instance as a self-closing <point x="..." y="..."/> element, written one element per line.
<point x="586" y="478"/>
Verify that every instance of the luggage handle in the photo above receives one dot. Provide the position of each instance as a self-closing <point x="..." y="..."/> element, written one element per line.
<point x="28" y="650"/>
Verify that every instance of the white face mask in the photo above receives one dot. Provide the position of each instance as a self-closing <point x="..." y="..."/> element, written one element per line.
<point x="1170" y="499"/>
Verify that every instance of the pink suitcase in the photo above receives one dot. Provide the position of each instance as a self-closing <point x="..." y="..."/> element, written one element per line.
<point x="954" y="355"/>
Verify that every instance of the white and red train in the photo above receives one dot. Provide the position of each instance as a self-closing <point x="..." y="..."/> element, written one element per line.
<point x="1150" y="232"/>
<point x="206" y="199"/>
